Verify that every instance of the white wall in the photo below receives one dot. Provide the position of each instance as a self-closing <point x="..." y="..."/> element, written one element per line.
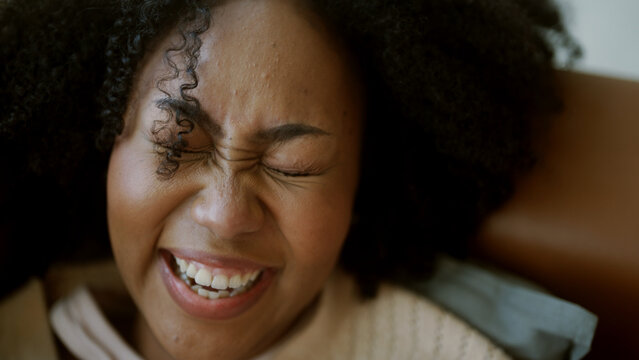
<point x="608" y="31"/>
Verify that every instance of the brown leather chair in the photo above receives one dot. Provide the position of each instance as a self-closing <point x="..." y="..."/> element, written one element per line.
<point x="573" y="223"/>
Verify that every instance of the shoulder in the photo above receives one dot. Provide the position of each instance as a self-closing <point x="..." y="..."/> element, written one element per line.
<point x="422" y="327"/>
<point x="396" y="324"/>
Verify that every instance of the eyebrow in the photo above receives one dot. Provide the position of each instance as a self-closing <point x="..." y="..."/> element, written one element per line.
<point x="287" y="132"/>
<point x="277" y="134"/>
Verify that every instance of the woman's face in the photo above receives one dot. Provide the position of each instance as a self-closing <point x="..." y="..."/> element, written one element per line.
<point x="259" y="208"/>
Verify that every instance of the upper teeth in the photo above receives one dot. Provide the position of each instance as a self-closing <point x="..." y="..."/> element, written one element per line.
<point x="203" y="276"/>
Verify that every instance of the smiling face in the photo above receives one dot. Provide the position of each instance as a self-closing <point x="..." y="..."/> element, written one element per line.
<point x="259" y="208"/>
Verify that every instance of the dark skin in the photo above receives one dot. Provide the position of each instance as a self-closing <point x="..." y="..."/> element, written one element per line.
<point x="267" y="178"/>
<point x="463" y="104"/>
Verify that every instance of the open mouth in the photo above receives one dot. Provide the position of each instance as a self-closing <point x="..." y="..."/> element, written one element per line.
<point x="212" y="283"/>
<point x="208" y="286"/>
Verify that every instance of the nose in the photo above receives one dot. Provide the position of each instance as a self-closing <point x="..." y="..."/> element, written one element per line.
<point x="228" y="209"/>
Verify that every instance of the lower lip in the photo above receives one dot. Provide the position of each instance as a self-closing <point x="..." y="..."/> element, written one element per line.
<point x="218" y="309"/>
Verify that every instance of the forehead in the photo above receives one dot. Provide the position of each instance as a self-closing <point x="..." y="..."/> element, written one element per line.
<point x="269" y="62"/>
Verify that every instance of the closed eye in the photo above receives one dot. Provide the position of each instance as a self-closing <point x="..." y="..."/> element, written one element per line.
<point x="288" y="173"/>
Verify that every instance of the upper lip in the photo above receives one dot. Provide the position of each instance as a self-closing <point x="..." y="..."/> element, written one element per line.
<point x="216" y="261"/>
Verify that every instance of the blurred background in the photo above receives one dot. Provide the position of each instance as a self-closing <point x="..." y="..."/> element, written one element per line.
<point x="571" y="226"/>
<point x="607" y="31"/>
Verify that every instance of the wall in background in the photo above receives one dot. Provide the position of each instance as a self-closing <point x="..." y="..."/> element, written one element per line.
<point x="608" y="31"/>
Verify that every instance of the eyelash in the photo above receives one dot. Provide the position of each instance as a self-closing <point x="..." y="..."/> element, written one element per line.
<point x="163" y="150"/>
<point x="288" y="173"/>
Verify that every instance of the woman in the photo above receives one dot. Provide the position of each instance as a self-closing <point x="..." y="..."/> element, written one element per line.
<point x="247" y="139"/>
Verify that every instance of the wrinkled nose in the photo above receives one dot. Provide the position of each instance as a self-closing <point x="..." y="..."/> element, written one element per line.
<point x="228" y="209"/>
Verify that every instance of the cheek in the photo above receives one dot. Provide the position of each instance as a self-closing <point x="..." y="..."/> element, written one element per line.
<point x="127" y="191"/>
<point x="317" y="225"/>
<point x="134" y="213"/>
<point x="322" y="221"/>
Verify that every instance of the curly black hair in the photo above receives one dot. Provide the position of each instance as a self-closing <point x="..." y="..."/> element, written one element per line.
<point x="455" y="92"/>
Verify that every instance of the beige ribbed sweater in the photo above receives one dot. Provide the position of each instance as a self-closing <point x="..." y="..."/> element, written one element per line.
<point x="396" y="324"/>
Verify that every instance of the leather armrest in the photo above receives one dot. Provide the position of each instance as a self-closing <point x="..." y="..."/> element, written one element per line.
<point x="573" y="223"/>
